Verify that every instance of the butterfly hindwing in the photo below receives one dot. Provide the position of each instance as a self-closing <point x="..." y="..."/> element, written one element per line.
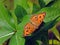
<point x="28" y="29"/>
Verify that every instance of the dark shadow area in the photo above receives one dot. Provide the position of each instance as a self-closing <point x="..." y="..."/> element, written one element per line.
<point x="42" y="3"/>
<point x="6" y="42"/>
<point x="51" y="3"/>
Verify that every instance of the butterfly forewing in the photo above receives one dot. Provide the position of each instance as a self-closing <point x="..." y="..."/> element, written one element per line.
<point x="37" y="19"/>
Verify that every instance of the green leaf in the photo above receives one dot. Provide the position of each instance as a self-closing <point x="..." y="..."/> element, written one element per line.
<point x="51" y="13"/>
<point x="47" y="1"/>
<point x="1" y="0"/>
<point x="43" y="3"/>
<point x="15" y="20"/>
<point x="30" y="3"/>
<point x="5" y="36"/>
<point x="5" y="16"/>
<point x="39" y="42"/>
<point x="5" y="31"/>
<point x="20" y="12"/>
<point x="36" y="8"/>
<point x="55" y="31"/>
<point x="17" y="40"/>
<point x="23" y="4"/>
<point x="56" y="4"/>
<point x="54" y="42"/>
<point x="1" y="44"/>
<point x="34" y="4"/>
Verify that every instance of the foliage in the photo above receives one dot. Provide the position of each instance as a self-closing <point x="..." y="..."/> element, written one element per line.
<point x="14" y="14"/>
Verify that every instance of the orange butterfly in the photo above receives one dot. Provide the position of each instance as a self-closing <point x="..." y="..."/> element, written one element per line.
<point x="34" y="23"/>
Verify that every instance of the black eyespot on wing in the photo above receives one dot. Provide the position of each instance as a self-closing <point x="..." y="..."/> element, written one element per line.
<point x="27" y="31"/>
<point x="40" y="21"/>
<point x="43" y="15"/>
<point x="39" y="16"/>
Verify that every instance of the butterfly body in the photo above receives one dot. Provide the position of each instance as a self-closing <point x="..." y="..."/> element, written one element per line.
<point x="34" y="23"/>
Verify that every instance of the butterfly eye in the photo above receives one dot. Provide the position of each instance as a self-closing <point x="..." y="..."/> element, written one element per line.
<point x="27" y="28"/>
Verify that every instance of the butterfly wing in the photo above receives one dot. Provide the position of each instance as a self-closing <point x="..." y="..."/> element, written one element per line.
<point x="28" y="29"/>
<point x="41" y="17"/>
<point x="37" y="19"/>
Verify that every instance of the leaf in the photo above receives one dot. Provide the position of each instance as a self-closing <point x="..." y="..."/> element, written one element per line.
<point x="47" y="1"/>
<point x="51" y="13"/>
<point x="5" y="31"/>
<point x="56" y="4"/>
<point x="15" y="20"/>
<point x="5" y="16"/>
<point x="9" y="4"/>
<point x="30" y="3"/>
<point x="17" y="40"/>
<point x="1" y="44"/>
<point x="5" y="37"/>
<point x="54" y="42"/>
<point x="20" y="12"/>
<point x="55" y="31"/>
<point x="36" y="8"/>
<point x="1" y="0"/>
<point x="34" y="5"/>
<point x="23" y="4"/>
<point x="43" y="3"/>
<point x="39" y="42"/>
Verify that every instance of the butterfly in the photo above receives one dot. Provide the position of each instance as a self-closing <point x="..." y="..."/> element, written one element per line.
<point x="35" y="22"/>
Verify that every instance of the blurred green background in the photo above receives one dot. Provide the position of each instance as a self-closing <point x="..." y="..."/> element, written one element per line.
<point x="14" y="14"/>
